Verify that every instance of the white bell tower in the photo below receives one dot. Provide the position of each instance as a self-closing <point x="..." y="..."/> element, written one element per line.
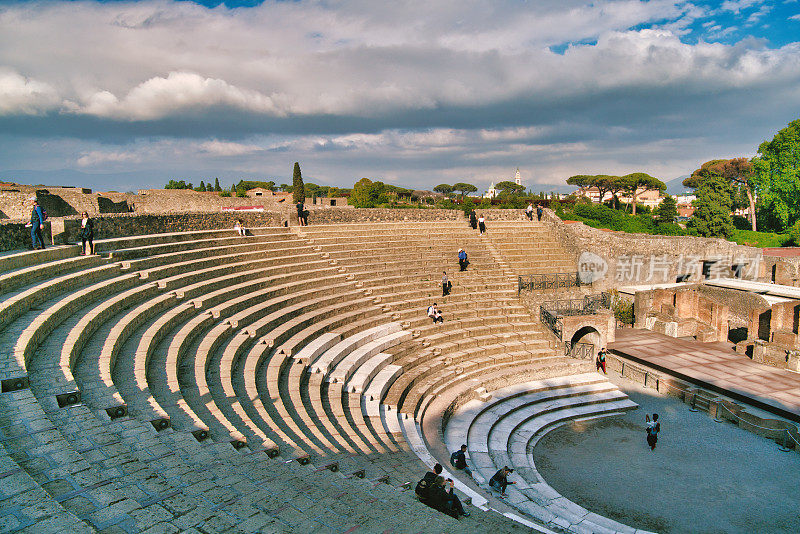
<point x="518" y="178"/>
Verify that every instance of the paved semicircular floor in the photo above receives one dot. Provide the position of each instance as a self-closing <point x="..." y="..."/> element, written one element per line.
<point x="702" y="477"/>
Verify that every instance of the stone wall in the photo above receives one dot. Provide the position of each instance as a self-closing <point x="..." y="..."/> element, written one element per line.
<point x="638" y="259"/>
<point x="351" y="215"/>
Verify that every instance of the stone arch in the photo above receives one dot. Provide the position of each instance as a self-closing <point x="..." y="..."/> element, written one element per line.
<point x="589" y="334"/>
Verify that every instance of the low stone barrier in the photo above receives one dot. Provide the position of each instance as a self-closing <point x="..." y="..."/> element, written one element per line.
<point x="782" y="432"/>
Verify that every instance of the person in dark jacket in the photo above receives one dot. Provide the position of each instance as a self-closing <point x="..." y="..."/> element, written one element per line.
<point x="446" y="284"/>
<point x="87" y="233"/>
<point x="473" y="220"/>
<point x="445" y="501"/>
<point x="500" y="480"/>
<point x="459" y="460"/>
<point x="424" y="486"/>
<point x="37" y="225"/>
<point x="539" y="211"/>
<point x="462" y="260"/>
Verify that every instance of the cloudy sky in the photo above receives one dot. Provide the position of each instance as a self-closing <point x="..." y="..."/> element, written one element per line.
<point x="122" y="94"/>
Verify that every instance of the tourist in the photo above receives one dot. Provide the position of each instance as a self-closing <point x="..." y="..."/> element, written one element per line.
<point x="473" y="220"/>
<point x="653" y="428"/>
<point x="239" y="227"/>
<point x="600" y="363"/>
<point x="301" y="213"/>
<point x="37" y="225"/>
<point x="424" y="486"/>
<point x="462" y="260"/>
<point x="443" y="500"/>
<point x="87" y="233"/>
<point x="539" y="211"/>
<point x="446" y="284"/>
<point x="435" y="314"/>
<point x="482" y="224"/>
<point x="500" y="480"/>
<point x="529" y="212"/>
<point x="459" y="460"/>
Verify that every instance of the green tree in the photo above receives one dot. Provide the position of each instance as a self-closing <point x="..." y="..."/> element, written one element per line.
<point x="777" y="176"/>
<point x="216" y="185"/>
<point x="667" y="210"/>
<point x="640" y="182"/>
<point x="202" y="187"/>
<point x="270" y="185"/>
<point x="444" y="189"/>
<point x="464" y="188"/>
<point x="172" y="184"/>
<point x="366" y="193"/>
<point x="509" y="188"/>
<point x="712" y="216"/>
<point x="298" y="189"/>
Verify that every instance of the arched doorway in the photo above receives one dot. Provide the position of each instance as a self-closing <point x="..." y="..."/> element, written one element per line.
<point x="588" y="335"/>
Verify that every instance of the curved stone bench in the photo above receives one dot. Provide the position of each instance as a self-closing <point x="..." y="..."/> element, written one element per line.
<point x="46" y="321"/>
<point x="522" y="414"/>
<point x="308" y="313"/>
<point x="25" y="275"/>
<point x="181" y="246"/>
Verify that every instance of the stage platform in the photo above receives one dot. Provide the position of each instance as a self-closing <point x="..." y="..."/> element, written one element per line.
<point x="714" y="366"/>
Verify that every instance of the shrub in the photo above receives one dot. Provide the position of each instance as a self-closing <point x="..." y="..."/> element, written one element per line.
<point x="741" y="223"/>
<point x="224" y="193"/>
<point x="622" y="308"/>
<point x="794" y="235"/>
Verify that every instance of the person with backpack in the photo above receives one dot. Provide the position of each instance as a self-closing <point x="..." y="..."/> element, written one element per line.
<point x="653" y="428"/>
<point x="463" y="261"/>
<point x="446" y="284"/>
<point x="600" y="363"/>
<point x="539" y="211"/>
<point x="38" y="216"/>
<point x="459" y="460"/>
<point x="424" y="486"/>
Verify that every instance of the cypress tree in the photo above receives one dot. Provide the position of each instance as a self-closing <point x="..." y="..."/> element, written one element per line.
<point x="298" y="189"/>
<point x="216" y="185"/>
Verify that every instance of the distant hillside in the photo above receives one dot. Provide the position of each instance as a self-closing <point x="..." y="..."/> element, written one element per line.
<point x="676" y="187"/>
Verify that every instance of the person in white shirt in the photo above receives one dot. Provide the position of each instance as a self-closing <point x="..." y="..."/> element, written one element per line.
<point x="435" y="314"/>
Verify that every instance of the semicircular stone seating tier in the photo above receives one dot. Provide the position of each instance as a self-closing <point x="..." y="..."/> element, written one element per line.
<point x="143" y="386"/>
<point x="502" y="428"/>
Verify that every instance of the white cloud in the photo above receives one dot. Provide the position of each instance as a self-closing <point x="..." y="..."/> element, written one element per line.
<point x="97" y="157"/>
<point x="225" y="148"/>
<point x="178" y="92"/>
<point x="161" y="59"/>
<point x="24" y="96"/>
<point x="736" y="6"/>
<point x="795" y="17"/>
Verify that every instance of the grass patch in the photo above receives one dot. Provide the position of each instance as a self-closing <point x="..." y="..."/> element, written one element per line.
<point x="760" y="239"/>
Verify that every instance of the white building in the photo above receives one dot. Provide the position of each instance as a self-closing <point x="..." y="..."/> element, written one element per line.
<point x="492" y="192"/>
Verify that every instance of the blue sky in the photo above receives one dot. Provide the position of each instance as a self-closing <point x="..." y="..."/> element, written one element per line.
<point x="123" y="95"/>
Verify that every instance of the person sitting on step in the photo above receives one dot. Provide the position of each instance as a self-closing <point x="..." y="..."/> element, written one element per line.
<point x="445" y="501"/>
<point x="462" y="259"/>
<point x="424" y="486"/>
<point x="459" y="460"/>
<point x="435" y="314"/>
<point x="500" y="480"/>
